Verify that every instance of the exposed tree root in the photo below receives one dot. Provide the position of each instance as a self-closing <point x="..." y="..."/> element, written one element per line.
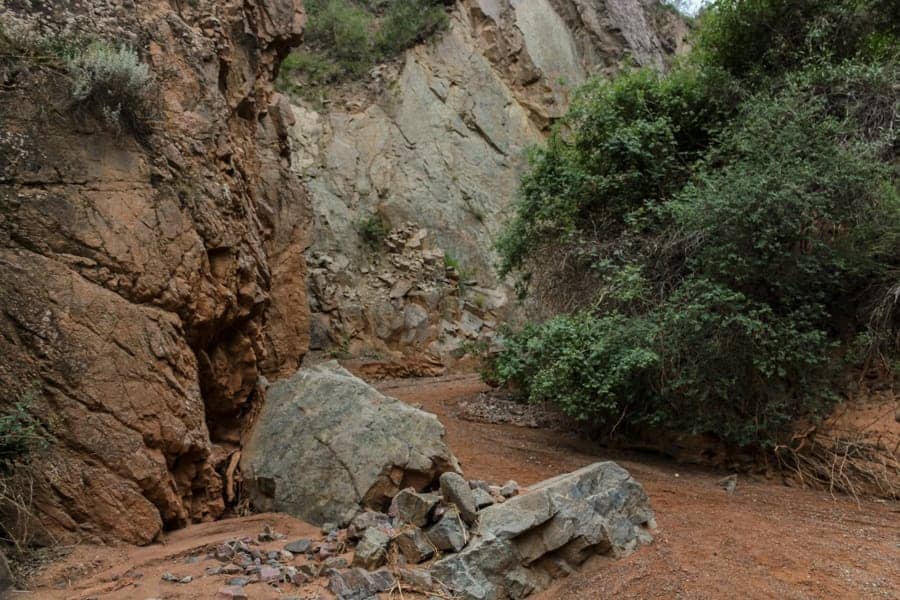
<point x="861" y="463"/>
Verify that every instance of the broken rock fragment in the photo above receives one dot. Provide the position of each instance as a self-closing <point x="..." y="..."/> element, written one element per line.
<point x="449" y="533"/>
<point x="372" y="549"/>
<point x="359" y="584"/>
<point x="412" y="507"/>
<point x="413" y="545"/>
<point x="456" y="491"/>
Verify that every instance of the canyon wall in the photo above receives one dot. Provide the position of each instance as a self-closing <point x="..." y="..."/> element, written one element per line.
<point x="150" y="278"/>
<point x="147" y="281"/>
<point x="434" y="143"/>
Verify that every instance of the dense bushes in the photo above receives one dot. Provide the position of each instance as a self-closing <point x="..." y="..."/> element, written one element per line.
<point x="344" y="38"/>
<point x="729" y="218"/>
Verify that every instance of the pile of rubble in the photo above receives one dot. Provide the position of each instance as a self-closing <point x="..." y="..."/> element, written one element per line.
<point x="466" y="540"/>
<point x="378" y="477"/>
<point x="407" y="298"/>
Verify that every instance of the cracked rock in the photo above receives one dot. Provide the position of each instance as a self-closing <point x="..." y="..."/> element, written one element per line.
<point x="354" y="446"/>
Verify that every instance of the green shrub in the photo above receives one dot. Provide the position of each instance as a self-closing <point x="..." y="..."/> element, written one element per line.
<point x="734" y="367"/>
<point x="343" y="29"/>
<point x="345" y="38"/>
<point x="789" y="208"/>
<point x="20" y="434"/>
<point x="305" y="72"/>
<point x="593" y="368"/>
<point x="762" y="38"/>
<point x="112" y="84"/>
<point x="373" y="230"/>
<point x="406" y="22"/>
<point x="624" y="147"/>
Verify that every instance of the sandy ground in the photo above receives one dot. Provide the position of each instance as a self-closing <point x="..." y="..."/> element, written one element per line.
<point x="765" y="541"/>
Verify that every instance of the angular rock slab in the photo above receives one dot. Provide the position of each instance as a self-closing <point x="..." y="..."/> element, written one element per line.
<point x="326" y="444"/>
<point x="520" y="545"/>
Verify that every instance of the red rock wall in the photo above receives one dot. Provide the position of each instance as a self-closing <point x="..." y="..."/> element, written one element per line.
<point x="146" y="284"/>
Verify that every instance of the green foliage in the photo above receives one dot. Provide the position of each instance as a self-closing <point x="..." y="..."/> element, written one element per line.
<point x="373" y="230"/>
<point x="345" y="38"/>
<point x="305" y="73"/>
<point x="451" y="262"/>
<point x="20" y="434"/>
<point x="593" y="368"/>
<point x="738" y="222"/>
<point x="761" y="38"/>
<point x="344" y="29"/>
<point x="108" y="82"/>
<point x="624" y="147"/>
<point x="735" y="367"/>
<point x="113" y="84"/>
<point x="784" y="212"/>
<point x="407" y="22"/>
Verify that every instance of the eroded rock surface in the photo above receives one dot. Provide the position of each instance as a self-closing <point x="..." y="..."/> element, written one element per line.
<point x="146" y="281"/>
<point x="438" y="140"/>
<point x="326" y="444"/>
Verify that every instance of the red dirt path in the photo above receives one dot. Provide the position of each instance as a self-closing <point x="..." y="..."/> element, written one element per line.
<point x="765" y="541"/>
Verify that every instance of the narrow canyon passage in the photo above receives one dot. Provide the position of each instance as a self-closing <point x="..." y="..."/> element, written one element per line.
<point x="765" y="541"/>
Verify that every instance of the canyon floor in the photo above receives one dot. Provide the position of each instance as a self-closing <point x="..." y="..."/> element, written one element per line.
<point x="764" y="541"/>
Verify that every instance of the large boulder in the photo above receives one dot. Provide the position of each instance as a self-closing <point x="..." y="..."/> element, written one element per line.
<point x="519" y="546"/>
<point x="326" y="444"/>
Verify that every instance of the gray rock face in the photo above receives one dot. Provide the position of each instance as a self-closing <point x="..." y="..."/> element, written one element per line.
<point x="449" y="533"/>
<point x="557" y="524"/>
<point x="456" y="491"/>
<point x="326" y="444"/>
<point x="440" y="142"/>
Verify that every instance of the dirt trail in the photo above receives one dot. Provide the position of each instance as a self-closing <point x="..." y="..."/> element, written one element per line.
<point x="765" y="541"/>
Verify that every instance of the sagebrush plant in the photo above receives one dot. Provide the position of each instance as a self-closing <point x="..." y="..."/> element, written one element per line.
<point x="723" y="227"/>
<point x="113" y="84"/>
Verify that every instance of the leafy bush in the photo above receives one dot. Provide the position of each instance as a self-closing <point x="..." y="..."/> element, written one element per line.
<point x="113" y="84"/>
<point x="734" y="367"/>
<point x="761" y="38"/>
<point x="343" y="28"/>
<point x="593" y="368"/>
<point x="624" y="147"/>
<point x="720" y="242"/>
<point x="20" y="434"/>
<point x="373" y="230"/>
<point x="407" y="22"/>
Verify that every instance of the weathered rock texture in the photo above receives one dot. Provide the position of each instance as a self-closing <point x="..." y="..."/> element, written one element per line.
<point x="326" y="444"/>
<point x="520" y="546"/>
<point x="438" y="141"/>
<point x="146" y="283"/>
